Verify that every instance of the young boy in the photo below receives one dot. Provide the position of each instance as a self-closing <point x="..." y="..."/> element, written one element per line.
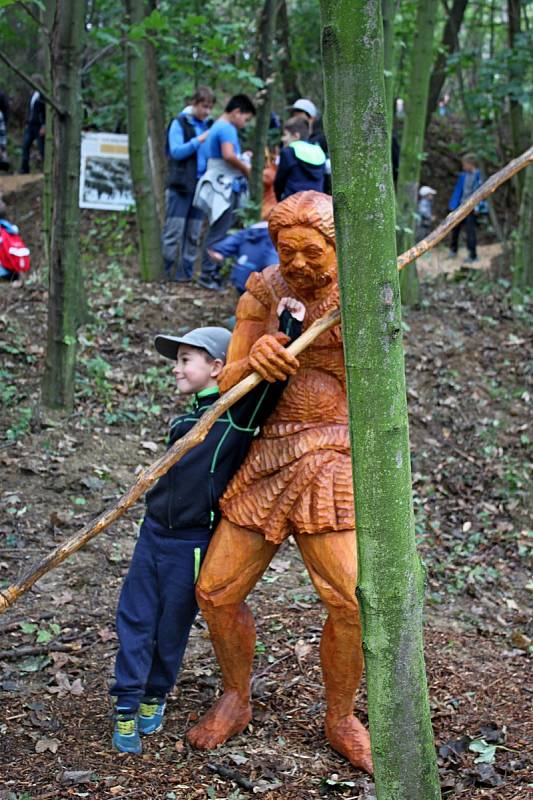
<point x="467" y="182"/>
<point x="425" y="212"/>
<point x="302" y="165"/>
<point x="157" y="604"/>
<point x="251" y="250"/>
<point x="186" y="163"/>
<point x="221" y="189"/>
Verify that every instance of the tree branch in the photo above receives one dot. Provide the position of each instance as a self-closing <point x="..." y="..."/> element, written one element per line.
<point x="103" y="52"/>
<point x="34" y="17"/>
<point x="27" y="79"/>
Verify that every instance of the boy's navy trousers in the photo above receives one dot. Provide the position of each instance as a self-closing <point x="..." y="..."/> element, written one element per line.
<point x="155" y="612"/>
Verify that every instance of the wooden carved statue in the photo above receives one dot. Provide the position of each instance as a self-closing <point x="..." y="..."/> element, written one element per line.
<point x="296" y="479"/>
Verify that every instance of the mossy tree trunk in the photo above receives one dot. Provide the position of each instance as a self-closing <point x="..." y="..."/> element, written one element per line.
<point x="156" y="122"/>
<point x="65" y="278"/>
<point x="412" y="145"/>
<point x="288" y="73"/>
<point x="265" y="47"/>
<point x="148" y="227"/>
<point x="449" y="43"/>
<point x="391" y="577"/>
<point x="47" y="17"/>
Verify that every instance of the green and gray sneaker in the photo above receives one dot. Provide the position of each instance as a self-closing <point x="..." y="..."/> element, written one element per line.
<point x="151" y="713"/>
<point x="126" y="737"/>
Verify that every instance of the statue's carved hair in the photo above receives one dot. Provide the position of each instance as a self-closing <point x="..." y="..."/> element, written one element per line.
<point x="304" y="208"/>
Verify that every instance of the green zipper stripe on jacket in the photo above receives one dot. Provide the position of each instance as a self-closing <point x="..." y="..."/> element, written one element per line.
<point x="237" y="428"/>
<point x="197" y="562"/>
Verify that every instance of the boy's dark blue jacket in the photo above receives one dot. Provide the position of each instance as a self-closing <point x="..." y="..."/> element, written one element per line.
<point x="302" y="166"/>
<point x="455" y="200"/>
<point x="186" y="497"/>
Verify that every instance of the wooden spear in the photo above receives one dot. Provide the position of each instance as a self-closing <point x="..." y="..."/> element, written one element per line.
<point x="197" y="434"/>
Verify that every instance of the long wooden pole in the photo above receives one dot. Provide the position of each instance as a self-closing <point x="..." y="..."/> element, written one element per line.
<point x="197" y="434"/>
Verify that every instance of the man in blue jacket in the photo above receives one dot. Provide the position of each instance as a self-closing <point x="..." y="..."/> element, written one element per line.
<point x="186" y="163"/>
<point x="467" y="182"/>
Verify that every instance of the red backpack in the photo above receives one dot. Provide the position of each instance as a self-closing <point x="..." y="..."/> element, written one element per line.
<point x="14" y="253"/>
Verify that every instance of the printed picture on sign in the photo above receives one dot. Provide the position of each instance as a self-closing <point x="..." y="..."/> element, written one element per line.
<point x="105" y="180"/>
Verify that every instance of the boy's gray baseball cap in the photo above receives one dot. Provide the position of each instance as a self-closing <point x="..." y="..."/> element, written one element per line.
<point x="214" y="340"/>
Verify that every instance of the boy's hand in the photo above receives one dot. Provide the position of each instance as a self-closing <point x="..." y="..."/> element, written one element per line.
<point x="214" y="256"/>
<point x="293" y="306"/>
<point x="269" y="358"/>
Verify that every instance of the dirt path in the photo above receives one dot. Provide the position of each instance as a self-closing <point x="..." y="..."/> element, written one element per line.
<point x="468" y="400"/>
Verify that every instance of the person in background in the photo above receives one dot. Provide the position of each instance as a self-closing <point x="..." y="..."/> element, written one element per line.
<point x="469" y="179"/>
<point x="250" y="249"/>
<point x="301" y="165"/>
<point x="425" y="212"/>
<point x="220" y="191"/>
<point x="186" y="161"/>
<point x="35" y="125"/>
<point x="306" y="109"/>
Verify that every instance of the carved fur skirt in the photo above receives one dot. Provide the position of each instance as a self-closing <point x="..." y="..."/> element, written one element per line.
<point x="298" y="482"/>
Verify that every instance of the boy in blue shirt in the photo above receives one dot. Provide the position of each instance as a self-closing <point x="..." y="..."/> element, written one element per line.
<point x="157" y="604"/>
<point x="219" y="192"/>
<point x="302" y="165"/>
<point x="186" y="162"/>
<point x="251" y="250"/>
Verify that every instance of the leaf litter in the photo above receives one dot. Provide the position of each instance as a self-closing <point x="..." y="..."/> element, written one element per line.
<point x="469" y="399"/>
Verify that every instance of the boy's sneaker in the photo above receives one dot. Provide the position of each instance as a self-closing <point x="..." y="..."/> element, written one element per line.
<point x="210" y="283"/>
<point x="151" y="713"/>
<point x="126" y="737"/>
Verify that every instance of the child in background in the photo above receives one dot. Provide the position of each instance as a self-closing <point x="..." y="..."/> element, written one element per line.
<point x="425" y="212"/>
<point x="14" y="254"/>
<point x="157" y="604"/>
<point x="251" y="249"/>
<point x="467" y="182"/>
<point x="302" y="165"/>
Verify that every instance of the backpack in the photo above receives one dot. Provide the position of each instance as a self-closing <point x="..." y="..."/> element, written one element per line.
<point x="14" y="254"/>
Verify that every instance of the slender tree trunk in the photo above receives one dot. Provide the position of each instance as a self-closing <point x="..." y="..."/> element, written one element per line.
<point x="149" y="230"/>
<point x="391" y="577"/>
<point x="65" y="279"/>
<point x="265" y="47"/>
<point x="413" y="140"/>
<point x="156" y="124"/>
<point x="288" y="73"/>
<point x="450" y="38"/>
<point x="388" y="7"/>
<point x="47" y="16"/>
<point x="522" y="272"/>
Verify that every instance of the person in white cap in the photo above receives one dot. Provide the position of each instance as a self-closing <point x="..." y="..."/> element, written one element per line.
<point x="425" y="216"/>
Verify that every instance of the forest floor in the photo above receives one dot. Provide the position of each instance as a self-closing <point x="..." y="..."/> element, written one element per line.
<point x="469" y="405"/>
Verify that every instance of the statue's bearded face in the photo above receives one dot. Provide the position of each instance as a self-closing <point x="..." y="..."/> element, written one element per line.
<point x="307" y="261"/>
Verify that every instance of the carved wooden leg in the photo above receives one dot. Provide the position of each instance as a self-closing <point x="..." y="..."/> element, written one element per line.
<point x="331" y="559"/>
<point x="235" y="561"/>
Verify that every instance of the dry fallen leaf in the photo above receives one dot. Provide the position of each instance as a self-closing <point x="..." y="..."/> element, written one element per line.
<point x="150" y="446"/>
<point x="46" y="744"/>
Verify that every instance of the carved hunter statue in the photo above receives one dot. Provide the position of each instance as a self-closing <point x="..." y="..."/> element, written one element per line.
<point x="296" y="480"/>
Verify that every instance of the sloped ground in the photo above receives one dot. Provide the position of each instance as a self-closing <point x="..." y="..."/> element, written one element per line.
<point x="468" y="399"/>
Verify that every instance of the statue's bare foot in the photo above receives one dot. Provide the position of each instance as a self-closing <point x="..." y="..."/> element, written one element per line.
<point x="229" y="715"/>
<point x="349" y="738"/>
